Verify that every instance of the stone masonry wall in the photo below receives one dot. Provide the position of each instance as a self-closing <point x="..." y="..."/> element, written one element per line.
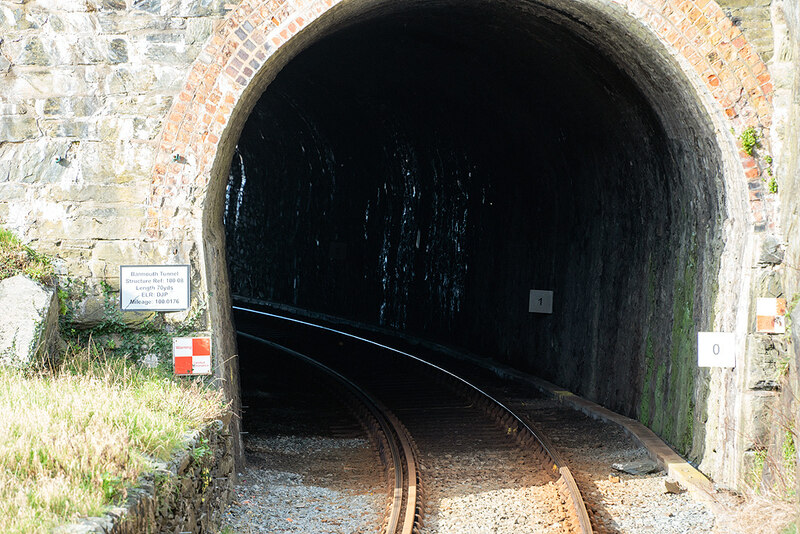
<point x="753" y="18"/>
<point x="189" y="494"/>
<point x="85" y="86"/>
<point x="786" y="66"/>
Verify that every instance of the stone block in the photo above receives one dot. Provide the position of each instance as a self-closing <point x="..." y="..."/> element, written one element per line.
<point x="129" y="22"/>
<point x="198" y="31"/>
<point x="103" y="194"/>
<point x="33" y="161"/>
<point x="106" y="163"/>
<point x="122" y="222"/>
<point x="151" y="105"/>
<point x="73" y="106"/>
<point x="130" y="79"/>
<point x="12" y="190"/>
<point x="84" y="130"/>
<point x="757" y="410"/>
<point x="768" y="285"/>
<point x="36" y="82"/>
<point x="18" y="128"/>
<point x="87" y="50"/>
<point x="32" y="51"/>
<point x="70" y="23"/>
<point x="90" y="312"/>
<point x="150" y="6"/>
<point x="167" y="54"/>
<point x="79" y="6"/>
<point x="113" y="5"/>
<point x="120" y="253"/>
<point x="203" y="8"/>
<point x="29" y="328"/>
<point x="170" y="78"/>
<point x="18" y="19"/>
<point x="118" y="51"/>
<point x="772" y="251"/>
<point x="128" y="128"/>
<point x="14" y="108"/>
<point x="766" y="354"/>
<point x="743" y="3"/>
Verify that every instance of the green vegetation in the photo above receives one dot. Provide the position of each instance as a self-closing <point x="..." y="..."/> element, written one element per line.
<point x="113" y="333"/>
<point x="645" y="414"/>
<point x="789" y="450"/>
<point x="750" y="140"/>
<point x="16" y="258"/>
<point x="680" y="390"/>
<point x="757" y="470"/>
<point x="78" y="430"/>
<point x="77" y="435"/>
<point x="772" y="184"/>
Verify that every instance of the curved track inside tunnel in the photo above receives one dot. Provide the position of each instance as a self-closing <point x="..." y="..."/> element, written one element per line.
<point x="388" y="432"/>
<point x="423" y="170"/>
<point x="422" y="166"/>
<point x="412" y="394"/>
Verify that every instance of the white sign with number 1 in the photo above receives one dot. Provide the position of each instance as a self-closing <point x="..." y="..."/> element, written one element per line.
<point x="540" y="301"/>
<point x="716" y="349"/>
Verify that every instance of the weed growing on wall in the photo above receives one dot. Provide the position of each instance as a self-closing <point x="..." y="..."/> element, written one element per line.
<point x="750" y="140"/>
<point x="16" y="258"/>
<point x="789" y="450"/>
<point x="116" y="336"/>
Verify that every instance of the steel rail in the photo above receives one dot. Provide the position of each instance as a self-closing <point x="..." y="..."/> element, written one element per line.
<point x="566" y="482"/>
<point x="396" y="437"/>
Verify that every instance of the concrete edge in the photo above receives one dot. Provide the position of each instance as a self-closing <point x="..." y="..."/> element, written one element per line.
<point x="697" y="484"/>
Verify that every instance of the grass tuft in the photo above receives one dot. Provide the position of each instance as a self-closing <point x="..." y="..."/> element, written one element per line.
<point x="16" y="258"/>
<point x="75" y="437"/>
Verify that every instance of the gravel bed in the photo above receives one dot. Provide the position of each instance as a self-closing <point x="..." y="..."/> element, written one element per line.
<point x="620" y="502"/>
<point x="476" y="479"/>
<point x="490" y="493"/>
<point x="308" y="484"/>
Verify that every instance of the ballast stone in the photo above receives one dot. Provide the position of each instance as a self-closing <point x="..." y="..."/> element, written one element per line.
<point x="30" y="324"/>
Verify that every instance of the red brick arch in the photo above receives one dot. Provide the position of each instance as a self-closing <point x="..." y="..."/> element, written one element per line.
<point x="696" y="30"/>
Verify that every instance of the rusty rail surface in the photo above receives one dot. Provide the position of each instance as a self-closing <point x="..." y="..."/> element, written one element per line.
<point x="526" y="435"/>
<point x="388" y="433"/>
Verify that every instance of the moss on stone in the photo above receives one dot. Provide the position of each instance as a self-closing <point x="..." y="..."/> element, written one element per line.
<point x="678" y="422"/>
<point x="645" y="406"/>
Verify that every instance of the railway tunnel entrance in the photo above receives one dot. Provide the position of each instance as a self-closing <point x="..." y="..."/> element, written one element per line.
<point x="423" y="167"/>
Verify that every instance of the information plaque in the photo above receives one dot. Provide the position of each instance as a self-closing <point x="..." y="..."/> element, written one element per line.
<point x="154" y="287"/>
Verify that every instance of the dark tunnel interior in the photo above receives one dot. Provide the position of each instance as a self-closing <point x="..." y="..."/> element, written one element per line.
<point x="423" y="170"/>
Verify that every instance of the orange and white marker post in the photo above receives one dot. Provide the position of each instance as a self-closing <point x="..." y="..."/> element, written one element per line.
<point x="771" y="316"/>
<point x="191" y="355"/>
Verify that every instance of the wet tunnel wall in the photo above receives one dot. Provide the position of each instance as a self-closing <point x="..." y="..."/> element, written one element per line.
<point x="421" y="173"/>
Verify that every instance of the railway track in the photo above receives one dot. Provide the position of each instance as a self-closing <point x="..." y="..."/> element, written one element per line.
<point x="452" y="422"/>
<point x="391" y="438"/>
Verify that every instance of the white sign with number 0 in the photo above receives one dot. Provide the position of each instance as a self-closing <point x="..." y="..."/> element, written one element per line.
<point x="716" y="349"/>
